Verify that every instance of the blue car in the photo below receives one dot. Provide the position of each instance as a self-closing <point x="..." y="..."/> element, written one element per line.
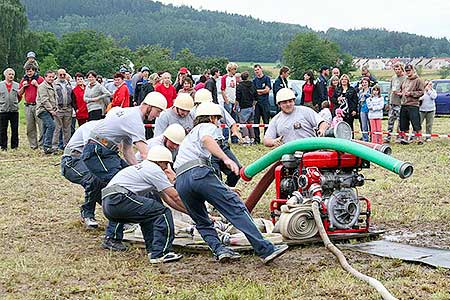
<point x="442" y="87"/>
<point x="296" y="86"/>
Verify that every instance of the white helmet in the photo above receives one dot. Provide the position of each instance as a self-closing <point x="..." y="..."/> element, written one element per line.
<point x="203" y="95"/>
<point x="159" y="154"/>
<point x="184" y="101"/>
<point x="285" y="94"/>
<point x="155" y="99"/>
<point x="208" y="109"/>
<point x="175" y="133"/>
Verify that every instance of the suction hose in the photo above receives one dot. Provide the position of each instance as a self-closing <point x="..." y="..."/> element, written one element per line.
<point x="403" y="169"/>
<point x="261" y="187"/>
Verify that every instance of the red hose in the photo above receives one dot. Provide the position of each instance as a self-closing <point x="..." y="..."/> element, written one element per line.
<point x="261" y="187"/>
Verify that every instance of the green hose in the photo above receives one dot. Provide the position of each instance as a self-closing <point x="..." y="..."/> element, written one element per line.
<point x="403" y="169"/>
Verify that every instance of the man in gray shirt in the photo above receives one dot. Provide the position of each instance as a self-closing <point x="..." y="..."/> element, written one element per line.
<point x="395" y="101"/>
<point x="178" y="113"/>
<point x="63" y="118"/>
<point x="292" y="122"/>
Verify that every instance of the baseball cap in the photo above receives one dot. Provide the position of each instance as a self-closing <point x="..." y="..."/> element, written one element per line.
<point x="183" y="70"/>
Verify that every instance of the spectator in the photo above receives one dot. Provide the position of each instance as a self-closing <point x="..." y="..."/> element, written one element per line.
<point x="363" y="94"/>
<point x="28" y="88"/>
<point x="325" y="113"/>
<point x="347" y="99"/>
<point x="63" y="117"/>
<point x="395" y="101"/>
<point x="228" y="88"/>
<point x="187" y="87"/>
<point x="182" y="74"/>
<point x="100" y="79"/>
<point x="147" y="88"/>
<point x="375" y="105"/>
<point x="46" y="108"/>
<point x="366" y="73"/>
<point x="143" y="79"/>
<point x="95" y="95"/>
<point x="81" y="112"/>
<point x="309" y="93"/>
<point x="334" y="82"/>
<point x="129" y="83"/>
<point x="246" y="98"/>
<point x="281" y="81"/>
<point x="121" y="96"/>
<point x="321" y="85"/>
<point x="336" y="72"/>
<point x="411" y="90"/>
<point x="167" y="89"/>
<point x="211" y="84"/>
<point x="428" y="108"/>
<point x="201" y="83"/>
<point x="238" y="78"/>
<point x="9" y="110"/>
<point x="31" y="61"/>
<point x="263" y="86"/>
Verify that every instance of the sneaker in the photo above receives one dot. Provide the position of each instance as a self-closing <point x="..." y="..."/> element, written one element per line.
<point x="168" y="257"/>
<point x="226" y="254"/>
<point x="113" y="245"/>
<point x="48" y="151"/>
<point x="278" y="251"/>
<point x="129" y="227"/>
<point x="90" y="223"/>
<point x="428" y="140"/>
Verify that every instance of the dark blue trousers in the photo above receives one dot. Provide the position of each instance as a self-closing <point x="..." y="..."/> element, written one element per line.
<point x="74" y="170"/>
<point x="219" y="166"/>
<point x="104" y="163"/>
<point x="154" y="218"/>
<point x="200" y="185"/>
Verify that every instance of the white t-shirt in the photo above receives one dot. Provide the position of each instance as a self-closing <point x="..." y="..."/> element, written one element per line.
<point x="83" y="132"/>
<point x="228" y="84"/>
<point x="156" y="141"/>
<point x="192" y="147"/>
<point x="141" y="178"/>
<point x="325" y="113"/>
<point x="297" y="125"/>
<point x="169" y="117"/>
<point x="121" y="125"/>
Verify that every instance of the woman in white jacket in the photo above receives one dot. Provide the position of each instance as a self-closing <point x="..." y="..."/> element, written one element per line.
<point x="428" y="108"/>
<point x="375" y="104"/>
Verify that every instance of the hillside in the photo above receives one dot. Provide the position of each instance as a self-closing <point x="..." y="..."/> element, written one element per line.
<point x="206" y="33"/>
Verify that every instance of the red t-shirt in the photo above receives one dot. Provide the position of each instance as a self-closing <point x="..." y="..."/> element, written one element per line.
<point x="169" y="92"/>
<point x="31" y="90"/>
<point x="308" y="92"/>
<point x="121" y="96"/>
<point x="8" y="86"/>
<point x="82" y="112"/>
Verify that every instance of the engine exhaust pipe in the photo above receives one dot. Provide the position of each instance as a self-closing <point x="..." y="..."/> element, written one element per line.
<point x="383" y="148"/>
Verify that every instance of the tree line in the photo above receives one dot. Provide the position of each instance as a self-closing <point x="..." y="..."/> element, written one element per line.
<point x="142" y="22"/>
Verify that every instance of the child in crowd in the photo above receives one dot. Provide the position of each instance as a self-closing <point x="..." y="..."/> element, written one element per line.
<point x="376" y="104"/>
<point x="325" y="113"/>
<point x="339" y="117"/>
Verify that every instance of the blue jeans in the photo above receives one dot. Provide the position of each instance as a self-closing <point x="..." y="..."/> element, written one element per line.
<point x="74" y="170"/>
<point x="154" y="218"/>
<point x="199" y="185"/>
<point x="364" y="119"/>
<point x="246" y="116"/>
<point x="104" y="163"/>
<point x="48" y="127"/>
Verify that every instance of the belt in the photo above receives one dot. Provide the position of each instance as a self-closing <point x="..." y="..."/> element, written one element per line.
<point x="71" y="152"/>
<point x="107" y="143"/>
<point x="114" y="189"/>
<point x="30" y="104"/>
<point x="199" y="162"/>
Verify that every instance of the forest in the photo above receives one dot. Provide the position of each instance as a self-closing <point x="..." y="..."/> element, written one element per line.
<point x="206" y="33"/>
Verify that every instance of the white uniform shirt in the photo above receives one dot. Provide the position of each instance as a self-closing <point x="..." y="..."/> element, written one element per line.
<point x="83" y="132"/>
<point x="141" y="178"/>
<point x="169" y="117"/>
<point x="227" y="119"/>
<point x="156" y="141"/>
<point x="121" y="125"/>
<point x="297" y="125"/>
<point x="192" y="147"/>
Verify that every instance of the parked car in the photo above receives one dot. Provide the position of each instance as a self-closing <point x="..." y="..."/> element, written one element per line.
<point x="442" y="87"/>
<point x="296" y="86"/>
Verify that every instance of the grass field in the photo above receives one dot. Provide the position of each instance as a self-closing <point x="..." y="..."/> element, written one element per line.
<point x="46" y="254"/>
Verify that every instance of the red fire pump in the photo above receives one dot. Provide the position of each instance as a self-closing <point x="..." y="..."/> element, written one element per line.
<point x="342" y="209"/>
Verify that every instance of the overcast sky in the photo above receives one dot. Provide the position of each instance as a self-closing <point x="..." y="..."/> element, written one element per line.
<point x="429" y="17"/>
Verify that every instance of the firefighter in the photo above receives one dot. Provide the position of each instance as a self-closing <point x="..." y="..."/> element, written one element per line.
<point x="121" y="128"/>
<point x="132" y="195"/>
<point x="179" y="114"/>
<point x="197" y="182"/>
